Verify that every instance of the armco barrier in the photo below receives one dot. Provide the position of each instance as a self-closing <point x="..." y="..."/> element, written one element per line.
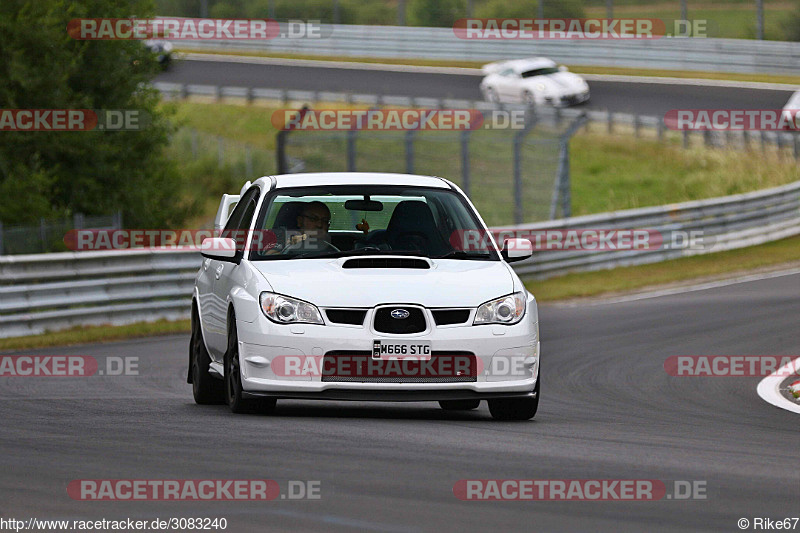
<point x="716" y="55"/>
<point x="56" y="291"/>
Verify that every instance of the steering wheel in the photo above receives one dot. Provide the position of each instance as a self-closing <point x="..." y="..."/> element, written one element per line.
<point x="322" y="246"/>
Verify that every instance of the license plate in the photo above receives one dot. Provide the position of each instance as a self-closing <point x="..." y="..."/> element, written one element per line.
<point x="401" y="349"/>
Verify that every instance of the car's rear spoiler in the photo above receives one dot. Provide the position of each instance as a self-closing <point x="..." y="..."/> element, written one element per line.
<point x="226" y="205"/>
<point x="491" y="68"/>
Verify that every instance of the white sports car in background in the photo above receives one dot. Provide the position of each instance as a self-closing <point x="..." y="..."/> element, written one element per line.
<point x="533" y="81"/>
<point x="358" y="286"/>
<point x="791" y="111"/>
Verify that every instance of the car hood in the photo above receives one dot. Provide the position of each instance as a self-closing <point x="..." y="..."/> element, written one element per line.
<point x="448" y="283"/>
<point x="560" y="82"/>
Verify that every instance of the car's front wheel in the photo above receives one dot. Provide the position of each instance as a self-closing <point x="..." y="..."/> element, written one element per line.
<point x="459" y="405"/>
<point x="207" y="390"/>
<point x="491" y="95"/>
<point x="233" y="378"/>
<point x="516" y="408"/>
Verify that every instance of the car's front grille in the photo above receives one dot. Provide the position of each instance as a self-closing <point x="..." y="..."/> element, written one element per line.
<point x="357" y="366"/>
<point x="346" y="316"/>
<point x="399" y="320"/>
<point x="444" y="317"/>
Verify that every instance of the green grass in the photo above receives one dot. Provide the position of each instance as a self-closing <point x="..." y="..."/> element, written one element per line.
<point x="623" y="279"/>
<point x="727" y="20"/>
<point x="609" y="172"/>
<point x="95" y="334"/>
<point x="580" y="69"/>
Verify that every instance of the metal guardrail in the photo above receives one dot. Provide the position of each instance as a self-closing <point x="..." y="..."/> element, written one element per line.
<point x="633" y="123"/>
<point x="56" y="291"/>
<point x="716" y="55"/>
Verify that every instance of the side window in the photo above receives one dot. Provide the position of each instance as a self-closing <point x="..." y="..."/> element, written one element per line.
<point x="239" y="221"/>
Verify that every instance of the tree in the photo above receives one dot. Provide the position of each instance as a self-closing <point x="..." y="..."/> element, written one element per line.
<point x="439" y="13"/>
<point x="94" y="172"/>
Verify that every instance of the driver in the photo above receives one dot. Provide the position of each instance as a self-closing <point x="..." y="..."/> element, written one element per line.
<point x="313" y="223"/>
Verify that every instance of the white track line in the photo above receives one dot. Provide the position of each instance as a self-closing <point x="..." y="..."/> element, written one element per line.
<point x="657" y="293"/>
<point x="769" y="387"/>
<point x="385" y="67"/>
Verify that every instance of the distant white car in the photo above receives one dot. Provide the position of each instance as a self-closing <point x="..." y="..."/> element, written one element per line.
<point x="355" y="286"/>
<point x="533" y="81"/>
<point x="791" y="111"/>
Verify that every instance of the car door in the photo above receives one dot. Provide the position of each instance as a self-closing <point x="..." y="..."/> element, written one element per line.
<point x="509" y="84"/>
<point x="224" y="272"/>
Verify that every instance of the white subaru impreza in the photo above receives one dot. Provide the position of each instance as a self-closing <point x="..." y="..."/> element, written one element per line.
<point x="361" y="286"/>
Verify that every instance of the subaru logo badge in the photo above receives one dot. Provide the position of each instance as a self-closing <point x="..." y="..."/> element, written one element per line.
<point x="399" y="314"/>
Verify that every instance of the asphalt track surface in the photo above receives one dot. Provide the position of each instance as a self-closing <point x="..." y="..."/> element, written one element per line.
<point x="608" y="411"/>
<point x="627" y="97"/>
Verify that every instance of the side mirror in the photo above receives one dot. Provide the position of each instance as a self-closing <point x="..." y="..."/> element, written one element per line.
<point x="220" y="248"/>
<point x="515" y="250"/>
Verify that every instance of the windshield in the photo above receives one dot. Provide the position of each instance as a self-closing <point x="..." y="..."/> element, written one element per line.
<point x="540" y="72"/>
<point x="340" y="221"/>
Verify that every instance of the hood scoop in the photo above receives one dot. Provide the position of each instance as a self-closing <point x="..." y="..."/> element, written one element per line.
<point x="386" y="262"/>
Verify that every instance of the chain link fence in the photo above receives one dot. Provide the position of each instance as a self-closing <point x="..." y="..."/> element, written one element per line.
<point x="512" y="175"/>
<point x="48" y="235"/>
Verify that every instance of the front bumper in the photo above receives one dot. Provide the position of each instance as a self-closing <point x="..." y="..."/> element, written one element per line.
<point x="507" y="360"/>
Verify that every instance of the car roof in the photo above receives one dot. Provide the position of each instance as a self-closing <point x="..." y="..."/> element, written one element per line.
<point x="357" y="178"/>
<point x="523" y="65"/>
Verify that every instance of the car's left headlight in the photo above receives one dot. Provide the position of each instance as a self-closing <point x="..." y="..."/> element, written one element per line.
<point x="286" y="310"/>
<point x="506" y="310"/>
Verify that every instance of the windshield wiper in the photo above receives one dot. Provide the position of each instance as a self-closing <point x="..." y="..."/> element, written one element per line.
<point x="461" y="254"/>
<point x="349" y="253"/>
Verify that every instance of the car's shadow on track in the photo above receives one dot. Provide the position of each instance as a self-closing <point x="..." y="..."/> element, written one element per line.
<point x="287" y="409"/>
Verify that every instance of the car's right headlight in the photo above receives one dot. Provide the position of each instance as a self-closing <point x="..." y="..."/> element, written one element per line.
<point x="506" y="310"/>
<point x="286" y="310"/>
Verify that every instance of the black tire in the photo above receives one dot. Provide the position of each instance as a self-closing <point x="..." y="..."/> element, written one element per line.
<point x="207" y="389"/>
<point x="459" y="405"/>
<point x="516" y="408"/>
<point x="233" y="378"/>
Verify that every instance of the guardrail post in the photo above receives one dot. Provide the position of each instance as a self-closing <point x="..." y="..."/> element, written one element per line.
<point x="351" y="150"/>
<point x="1" y="238"/>
<point x="746" y="140"/>
<point x="519" y="137"/>
<point x="77" y="221"/>
<point x="248" y="160"/>
<point x="249" y="96"/>
<point x="796" y="153"/>
<point x="660" y="128"/>
<point x="217" y="93"/>
<point x="410" y="151"/>
<point x="280" y="151"/>
<point x="465" y="161"/>
<point x="707" y="137"/>
<point x="763" y="141"/>
<point x="116" y="221"/>
<point x="194" y="143"/>
<point x="43" y="234"/>
<point x="685" y="139"/>
<point x="610" y="122"/>
<point x="184" y="91"/>
<point x="636" y="125"/>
